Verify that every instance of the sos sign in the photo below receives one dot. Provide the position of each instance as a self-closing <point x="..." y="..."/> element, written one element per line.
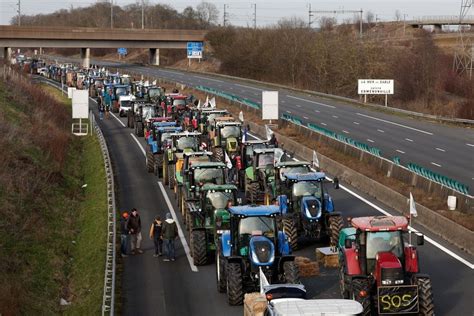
<point x="398" y="299"/>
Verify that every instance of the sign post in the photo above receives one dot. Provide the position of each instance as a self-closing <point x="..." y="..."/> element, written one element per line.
<point x="194" y="50"/>
<point x="375" y="86"/>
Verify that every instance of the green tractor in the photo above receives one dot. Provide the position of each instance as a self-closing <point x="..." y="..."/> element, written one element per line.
<point x="207" y="117"/>
<point x="225" y="137"/>
<point x="209" y="218"/>
<point x="245" y="159"/>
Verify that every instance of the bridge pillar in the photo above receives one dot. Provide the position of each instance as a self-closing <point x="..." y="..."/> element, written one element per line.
<point x="7" y="54"/>
<point x="154" y="56"/>
<point x="438" y="28"/>
<point x="86" y="57"/>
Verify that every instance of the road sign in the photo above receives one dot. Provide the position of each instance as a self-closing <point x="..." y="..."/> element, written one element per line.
<point x="269" y="105"/>
<point x="80" y="104"/>
<point x="375" y="86"/>
<point x="194" y="49"/>
<point x="122" y="51"/>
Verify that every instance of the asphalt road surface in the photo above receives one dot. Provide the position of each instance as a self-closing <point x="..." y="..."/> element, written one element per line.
<point x="153" y="287"/>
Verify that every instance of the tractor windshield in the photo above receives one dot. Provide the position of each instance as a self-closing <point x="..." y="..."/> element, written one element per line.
<point x="179" y="102"/>
<point x="384" y="242"/>
<point x="257" y="226"/>
<point x="219" y="199"/>
<point x="230" y="131"/>
<point x="208" y="175"/>
<point x="126" y="80"/>
<point x="154" y="92"/>
<point x="265" y="160"/>
<point x="295" y="169"/>
<point x="186" y="142"/>
<point x="307" y="188"/>
<point x="149" y="112"/>
<point x="121" y="91"/>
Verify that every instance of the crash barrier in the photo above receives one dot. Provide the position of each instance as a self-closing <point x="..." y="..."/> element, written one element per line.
<point x="432" y="221"/>
<point x="229" y="96"/>
<point x="448" y="183"/>
<point x="108" y="298"/>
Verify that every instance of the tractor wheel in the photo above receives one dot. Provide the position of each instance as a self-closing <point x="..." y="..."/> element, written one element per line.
<point x="199" y="247"/>
<point x="291" y="272"/>
<point x="189" y="221"/>
<point x="150" y="160"/>
<point x="220" y="270"/>
<point x="132" y="122"/>
<point x="158" y="168"/>
<point x="235" y="288"/>
<point x="335" y="226"/>
<point x="254" y="189"/>
<point x="425" y="295"/>
<point x="171" y="174"/>
<point x="182" y="205"/>
<point x="358" y="286"/>
<point x="128" y="120"/>
<point x="289" y="228"/>
<point x="218" y="154"/>
<point x="165" y="172"/>
<point x="342" y="281"/>
<point x="139" y="129"/>
<point x="178" y="198"/>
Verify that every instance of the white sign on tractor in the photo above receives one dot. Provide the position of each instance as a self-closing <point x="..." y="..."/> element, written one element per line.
<point x="80" y="110"/>
<point x="270" y="105"/>
<point x="375" y="86"/>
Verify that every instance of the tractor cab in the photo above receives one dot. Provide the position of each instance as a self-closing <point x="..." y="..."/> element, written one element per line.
<point x="215" y="199"/>
<point x="225" y="136"/>
<point x="207" y="117"/>
<point x="201" y="173"/>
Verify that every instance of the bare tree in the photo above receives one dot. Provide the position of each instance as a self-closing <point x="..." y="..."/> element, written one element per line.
<point x="370" y="17"/>
<point x="327" y="23"/>
<point x="398" y="15"/>
<point x="208" y="12"/>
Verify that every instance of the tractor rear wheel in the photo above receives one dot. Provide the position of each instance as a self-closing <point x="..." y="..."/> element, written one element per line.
<point x="199" y="247"/>
<point x="335" y="226"/>
<point x="425" y="295"/>
<point x="342" y="281"/>
<point x="218" y="154"/>
<point x="189" y="221"/>
<point x="291" y="272"/>
<point x="359" y="286"/>
<point x="254" y="189"/>
<point x="150" y="160"/>
<point x="289" y="228"/>
<point x="235" y="288"/>
<point x="220" y="269"/>
<point x="165" y="172"/>
<point x="158" y="165"/>
<point x="139" y="129"/>
<point x="171" y="174"/>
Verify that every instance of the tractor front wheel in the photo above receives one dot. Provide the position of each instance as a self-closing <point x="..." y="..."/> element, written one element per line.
<point x="199" y="247"/>
<point x="171" y="174"/>
<point x="425" y="294"/>
<point x="235" y="288"/>
<point x="335" y="226"/>
<point x="361" y="294"/>
<point x="291" y="272"/>
<point x="220" y="270"/>
<point x="158" y="165"/>
<point x="289" y="228"/>
<point x="150" y="160"/>
<point x="139" y="129"/>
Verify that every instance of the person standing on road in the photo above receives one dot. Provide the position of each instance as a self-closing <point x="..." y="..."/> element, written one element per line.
<point x="108" y="102"/>
<point x="124" y="234"/>
<point x="101" y="107"/>
<point x="155" y="235"/>
<point x="169" y="233"/>
<point x="135" y="228"/>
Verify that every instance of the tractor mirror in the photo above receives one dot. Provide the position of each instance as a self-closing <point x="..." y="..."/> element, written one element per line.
<point x="336" y="182"/>
<point x="239" y="201"/>
<point x="420" y="239"/>
<point x="347" y="243"/>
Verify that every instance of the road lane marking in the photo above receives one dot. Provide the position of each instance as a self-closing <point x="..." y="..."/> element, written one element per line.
<point x="335" y="116"/>
<point x="440" y="149"/>
<point x="370" y="141"/>
<point x="471" y="145"/>
<point x="172" y="72"/>
<point x="288" y="111"/>
<point x="378" y="208"/>
<point x="113" y="115"/>
<point x="305" y="117"/>
<point x="400" y="151"/>
<point x="298" y="105"/>
<point x="317" y="111"/>
<point x="346" y="132"/>
<point x="435" y="164"/>
<point x="408" y="139"/>
<point x="381" y="131"/>
<point x="205" y="78"/>
<point x="356" y="123"/>
<point x="309" y="101"/>
<point x="283" y="101"/>
<point x="323" y="124"/>
<point x="180" y="231"/>
<point x="393" y="123"/>
<point x="248" y="87"/>
<point x="138" y="143"/>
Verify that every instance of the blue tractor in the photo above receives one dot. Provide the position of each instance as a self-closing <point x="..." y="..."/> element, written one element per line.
<point x="252" y="242"/>
<point x="156" y="142"/>
<point x="310" y="211"/>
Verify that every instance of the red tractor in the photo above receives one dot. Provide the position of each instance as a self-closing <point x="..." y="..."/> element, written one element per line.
<point x="379" y="267"/>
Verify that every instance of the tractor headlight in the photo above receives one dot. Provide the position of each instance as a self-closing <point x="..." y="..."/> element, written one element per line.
<point x="398" y="282"/>
<point x="386" y="282"/>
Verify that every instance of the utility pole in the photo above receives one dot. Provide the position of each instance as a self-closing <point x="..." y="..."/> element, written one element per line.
<point x="464" y="55"/>
<point x="225" y="14"/>
<point x="360" y="24"/>
<point x="19" y="12"/>
<point x="255" y="16"/>
<point x="310" y="16"/>
<point x="111" y="14"/>
<point x="143" y="14"/>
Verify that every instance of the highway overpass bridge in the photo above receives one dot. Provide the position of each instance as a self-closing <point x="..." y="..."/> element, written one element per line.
<point x="439" y="20"/>
<point x="86" y="38"/>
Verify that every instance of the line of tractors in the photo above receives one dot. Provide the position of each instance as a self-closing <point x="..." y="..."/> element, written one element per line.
<point x="247" y="205"/>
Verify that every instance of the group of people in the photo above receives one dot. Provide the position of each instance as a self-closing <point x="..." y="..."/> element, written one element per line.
<point x="161" y="232"/>
<point x="104" y="104"/>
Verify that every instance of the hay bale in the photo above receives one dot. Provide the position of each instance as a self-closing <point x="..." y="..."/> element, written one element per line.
<point x="299" y="260"/>
<point x="327" y="257"/>
<point x="307" y="267"/>
<point x="255" y="304"/>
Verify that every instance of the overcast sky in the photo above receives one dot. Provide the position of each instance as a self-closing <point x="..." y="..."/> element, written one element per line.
<point x="268" y="12"/>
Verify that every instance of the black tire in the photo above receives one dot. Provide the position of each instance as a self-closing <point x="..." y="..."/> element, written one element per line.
<point x="425" y="296"/>
<point x="359" y="285"/>
<point x="335" y="225"/>
<point x="289" y="228"/>
<point x="254" y="189"/>
<point x="132" y="121"/>
<point x="218" y="154"/>
<point x="234" y="284"/>
<point x="159" y="166"/>
<point x="220" y="269"/>
<point x="139" y="130"/>
<point x="291" y="273"/>
<point x="189" y="221"/>
<point x="128" y="119"/>
<point x="199" y="247"/>
<point x="165" y="171"/>
<point x="171" y="174"/>
<point x="342" y="281"/>
<point x="150" y="160"/>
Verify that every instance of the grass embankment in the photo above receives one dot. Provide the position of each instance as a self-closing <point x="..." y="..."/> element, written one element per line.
<point x="52" y="232"/>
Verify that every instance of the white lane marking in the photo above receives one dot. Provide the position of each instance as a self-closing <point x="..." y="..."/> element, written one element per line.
<point x="393" y="123"/>
<point x="317" y="111"/>
<point x="408" y="139"/>
<point x="435" y="164"/>
<point x="378" y="208"/>
<point x="356" y="123"/>
<point x="248" y="87"/>
<point x="441" y="149"/>
<point x="113" y="115"/>
<point x="309" y="101"/>
<point x="231" y="88"/>
<point x="381" y="131"/>
<point x="305" y="117"/>
<point x="283" y="101"/>
<point x="345" y="132"/>
<point x="288" y="112"/>
<point x="471" y="145"/>
<point x="138" y="143"/>
<point x="323" y="124"/>
<point x="370" y="141"/>
<point x="180" y="231"/>
<point x="399" y="151"/>
<point x="298" y="105"/>
<point x="205" y="78"/>
<point x="335" y="116"/>
<point x="172" y="72"/>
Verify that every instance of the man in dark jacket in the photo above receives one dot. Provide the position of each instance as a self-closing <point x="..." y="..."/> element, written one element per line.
<point x="135" y="228"/>
<point x="169" y="233"/>
<point x="123" y="234"/>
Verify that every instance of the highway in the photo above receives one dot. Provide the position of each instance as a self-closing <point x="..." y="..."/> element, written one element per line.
<point x="151" y="286"/>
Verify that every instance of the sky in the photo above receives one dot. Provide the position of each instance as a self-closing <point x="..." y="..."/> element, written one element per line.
<point x="241" y="13"/>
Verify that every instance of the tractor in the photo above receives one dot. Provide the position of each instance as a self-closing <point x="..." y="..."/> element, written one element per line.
<point x="310" y="212"/>
<point x="225" y="137"/>
<point x="209" y="218"/>
<point x="246" y="158"/>
<point x="207" y="116"/>
<point x="253" y="242"/>
<point x="156" y="143"/>
<point x="138" y="114"/>
<point x="379" y="267"/>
